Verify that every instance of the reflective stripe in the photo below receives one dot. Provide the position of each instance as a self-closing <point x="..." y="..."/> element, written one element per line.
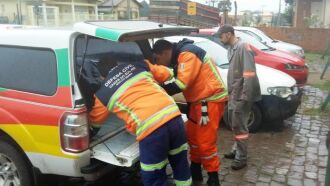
<point x="171" y="73"/>
<point x="179" y="149"/>
<point x="193" y="146"/>
<point x="130" y="112"/>
<point x="248" y="74"/>
<point x="218" y="96"/>
<point x="181" y="85"/>
<point x="242" y="137"/>
<point x="209" y="157"/>
<point x="125" y="86"/>
<point x="160" y="88"/>
<point x="208" y="60"/>
<point x="156" y="117"/>
<point x="153" y="167"/>
<point x="183" y="183"/>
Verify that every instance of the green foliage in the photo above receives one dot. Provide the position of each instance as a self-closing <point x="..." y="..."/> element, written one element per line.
<point x="288" y="13"/>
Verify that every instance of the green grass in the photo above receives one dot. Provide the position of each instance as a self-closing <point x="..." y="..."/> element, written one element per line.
<point x="323" y="86"/>
<point x="318" y="112"/>
<point x="312" y="58"/>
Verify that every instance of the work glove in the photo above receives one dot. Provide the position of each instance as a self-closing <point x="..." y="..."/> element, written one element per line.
<point x="205" y="116"/>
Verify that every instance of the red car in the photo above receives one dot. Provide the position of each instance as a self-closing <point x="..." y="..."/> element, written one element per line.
<point x="271" y="57"/>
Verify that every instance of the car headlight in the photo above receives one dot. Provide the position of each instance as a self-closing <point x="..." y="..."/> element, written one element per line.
<point x="289" y="66"/>
<point x="283" y="92"/>
<point x="300" y="53"/>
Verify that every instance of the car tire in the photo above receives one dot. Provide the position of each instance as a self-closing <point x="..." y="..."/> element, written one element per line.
<point x="14" y="167"/>
<point x="254" y="120"/>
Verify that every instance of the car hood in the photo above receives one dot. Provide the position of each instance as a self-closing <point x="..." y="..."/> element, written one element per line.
<point x="286" y="57"/>
<point x="285" y="46"/>
<point x="268" y="77"/>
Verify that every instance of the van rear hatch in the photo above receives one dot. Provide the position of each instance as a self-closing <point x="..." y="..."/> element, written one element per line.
<point x="112" y="143"/>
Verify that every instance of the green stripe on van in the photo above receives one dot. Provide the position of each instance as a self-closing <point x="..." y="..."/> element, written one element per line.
<point x="107" y="34"/>
<point x="2" y="89"/>
<point x="63" y="73"/>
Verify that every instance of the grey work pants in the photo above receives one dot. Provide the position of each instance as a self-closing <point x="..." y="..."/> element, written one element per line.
<point x="238" y="113"/>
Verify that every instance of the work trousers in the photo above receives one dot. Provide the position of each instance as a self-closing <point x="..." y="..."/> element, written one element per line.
<point x="239" y="113"/>
<point x="167" y="144"/>
<point x="202" y="139"/>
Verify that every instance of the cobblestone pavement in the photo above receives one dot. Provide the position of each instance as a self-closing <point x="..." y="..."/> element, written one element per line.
<point x="295" y="155"/>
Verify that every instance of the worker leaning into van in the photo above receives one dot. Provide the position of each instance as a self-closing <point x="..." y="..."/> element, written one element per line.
<point x="130" y="92"/>
<point x="197" y="77"/>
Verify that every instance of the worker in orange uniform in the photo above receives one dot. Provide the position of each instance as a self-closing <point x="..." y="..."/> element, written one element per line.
<point x="130" y="92"/>
<point x="197" y="77"/>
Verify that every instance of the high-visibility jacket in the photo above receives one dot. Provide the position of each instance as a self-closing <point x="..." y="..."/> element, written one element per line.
<point x="196" y="74"/>
<point x="131" y="93"/>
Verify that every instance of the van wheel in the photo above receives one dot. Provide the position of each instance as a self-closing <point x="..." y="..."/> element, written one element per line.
<point x="254" y="119"/>
<point x="14" y="168"/>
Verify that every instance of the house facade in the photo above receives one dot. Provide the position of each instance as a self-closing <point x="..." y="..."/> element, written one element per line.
<point x="119" y="10"/>
<point x="318" y="11"/>
<point x="48" y="12"/>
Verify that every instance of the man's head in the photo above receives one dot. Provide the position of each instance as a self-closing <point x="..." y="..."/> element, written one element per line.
<point x="162" y="50"/>
<point x="226" y="34"/>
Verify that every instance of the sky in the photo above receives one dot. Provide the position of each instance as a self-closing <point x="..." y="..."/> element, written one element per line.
<point x="265" y="5"/>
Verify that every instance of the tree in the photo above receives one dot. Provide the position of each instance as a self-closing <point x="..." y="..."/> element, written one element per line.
<point x="258" y="19"/>
<point x="288" y="12"/>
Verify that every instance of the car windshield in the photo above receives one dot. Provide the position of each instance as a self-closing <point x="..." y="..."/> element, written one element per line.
<point x="217" y="52"/>
<point x="263" y="35"/>
<point x="250" y="39"/>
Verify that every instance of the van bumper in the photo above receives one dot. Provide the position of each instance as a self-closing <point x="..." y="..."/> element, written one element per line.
<point x="275" y="108"/>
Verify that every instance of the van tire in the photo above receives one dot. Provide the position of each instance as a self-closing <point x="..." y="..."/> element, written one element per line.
<point x="14" y="157"/>
<point x="254" y="121"/>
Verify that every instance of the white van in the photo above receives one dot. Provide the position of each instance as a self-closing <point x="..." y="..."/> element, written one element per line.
<point x="44" y="127"/>
<point x="280" y="95"/>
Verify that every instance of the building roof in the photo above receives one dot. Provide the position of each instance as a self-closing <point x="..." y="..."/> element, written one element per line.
<point x="115" y="3"/>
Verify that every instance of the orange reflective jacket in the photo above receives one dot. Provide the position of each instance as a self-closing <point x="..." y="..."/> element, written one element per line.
<point x="131" y="93"/>
<point x="196" y="74"/>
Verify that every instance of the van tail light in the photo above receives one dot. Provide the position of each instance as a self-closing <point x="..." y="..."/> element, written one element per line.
<point x="74" y="132"/>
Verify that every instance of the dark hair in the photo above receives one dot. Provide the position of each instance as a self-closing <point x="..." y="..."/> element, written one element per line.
<point x="161" y="45"/>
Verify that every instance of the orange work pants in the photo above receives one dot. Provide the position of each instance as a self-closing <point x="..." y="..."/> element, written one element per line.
<point x="202" y="139"/>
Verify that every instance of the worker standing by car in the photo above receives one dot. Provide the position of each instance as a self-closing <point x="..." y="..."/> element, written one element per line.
<point x="244" y="90"/>
<point x="197" y="77"/>
<point x="130" y="92"/>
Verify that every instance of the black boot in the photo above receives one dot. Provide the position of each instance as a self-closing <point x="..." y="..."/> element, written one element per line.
<point x="237" y="165"/>
<point x="196" y="173"/>
<point x="230" y="155"/>
<point x="213" y="179"/>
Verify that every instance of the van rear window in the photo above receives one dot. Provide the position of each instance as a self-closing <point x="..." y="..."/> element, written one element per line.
<point x="30" y="70"/>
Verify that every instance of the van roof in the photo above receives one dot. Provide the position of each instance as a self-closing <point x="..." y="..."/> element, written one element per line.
<point x="112" y="30"/>
<point x="36" y="37"/>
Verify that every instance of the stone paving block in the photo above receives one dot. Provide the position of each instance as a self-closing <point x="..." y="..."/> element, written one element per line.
<point x="281" y="171"/>
<point x="311" y="175"/>
<point x="297" y="168"/>
<point x="295" y="175"/>
<point x="273" y="183"/>
<point x="310" y="182"/>
<point x="295" y="182"/>
<point x="311" y="168"/>
<point x="262" y="184"/>
<point x="279" y="178"/>
<point x="264" y="178"/>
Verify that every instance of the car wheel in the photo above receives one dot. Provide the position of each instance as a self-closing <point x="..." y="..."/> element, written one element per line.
<point x="255" y="118"/>
<point x="14" y="168"/>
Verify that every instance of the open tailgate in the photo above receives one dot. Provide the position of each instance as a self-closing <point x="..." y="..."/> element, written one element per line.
<point x="114" y="145"/>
